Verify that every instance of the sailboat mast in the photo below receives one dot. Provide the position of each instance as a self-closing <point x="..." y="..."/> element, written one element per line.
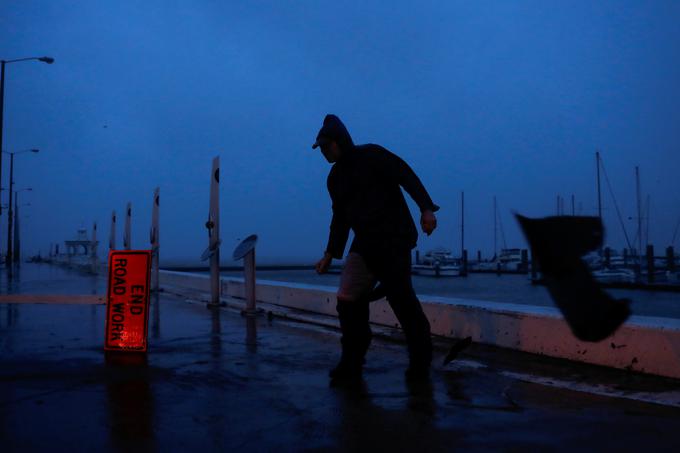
<point x="599" y="196"/>
<point x="494" y="227"/>
<point x="462" y="223"/>
<point x="639" y="212"/>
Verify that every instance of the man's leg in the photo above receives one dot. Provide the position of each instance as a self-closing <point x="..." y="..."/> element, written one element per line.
<point x="353" y="312"/>
<point x="393" y="270"/>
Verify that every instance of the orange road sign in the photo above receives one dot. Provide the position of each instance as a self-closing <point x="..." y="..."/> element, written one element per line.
<point x="127" y="301"/>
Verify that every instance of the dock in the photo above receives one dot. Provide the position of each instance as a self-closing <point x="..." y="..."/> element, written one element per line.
<point x="216" y="380"/>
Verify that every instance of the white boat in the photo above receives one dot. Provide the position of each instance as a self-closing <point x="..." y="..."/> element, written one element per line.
<point x="437" y="263"/>
<point x="507" y="260"/>
<point x="614" y="275"/>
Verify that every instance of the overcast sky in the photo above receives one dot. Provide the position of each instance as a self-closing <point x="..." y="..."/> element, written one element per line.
<point x="502" y="98"/>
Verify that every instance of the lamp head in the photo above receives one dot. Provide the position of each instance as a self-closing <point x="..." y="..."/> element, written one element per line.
<point x="48" y="60"/>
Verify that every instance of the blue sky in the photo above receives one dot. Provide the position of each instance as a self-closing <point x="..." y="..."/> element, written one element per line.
<point x="495" y="98"/>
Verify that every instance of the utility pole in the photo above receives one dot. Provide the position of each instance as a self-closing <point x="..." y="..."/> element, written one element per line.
<point x="9" y="213"/>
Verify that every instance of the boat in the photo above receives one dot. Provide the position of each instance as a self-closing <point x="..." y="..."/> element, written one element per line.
<point x="614" y="275"/>
<point x="507" y="260"/>
<point x="439" y="262"/>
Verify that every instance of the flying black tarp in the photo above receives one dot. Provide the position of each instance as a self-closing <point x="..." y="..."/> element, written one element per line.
<point x="557" y="244"/>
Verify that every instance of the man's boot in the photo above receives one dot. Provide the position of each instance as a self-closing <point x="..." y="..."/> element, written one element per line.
<point x="420" y="354"/>
<point x="356" y="338"/>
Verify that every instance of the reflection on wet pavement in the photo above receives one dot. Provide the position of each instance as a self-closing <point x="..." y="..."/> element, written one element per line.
<point x="216" y="380"/>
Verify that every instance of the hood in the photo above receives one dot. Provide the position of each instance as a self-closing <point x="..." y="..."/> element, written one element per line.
<point x="335" y="130"/>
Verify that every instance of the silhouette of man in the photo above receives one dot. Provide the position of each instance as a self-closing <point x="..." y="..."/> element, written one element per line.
<point x="365" y="188"/>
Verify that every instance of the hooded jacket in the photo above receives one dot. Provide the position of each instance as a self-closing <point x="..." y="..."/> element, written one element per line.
<point x="365" y="189"/>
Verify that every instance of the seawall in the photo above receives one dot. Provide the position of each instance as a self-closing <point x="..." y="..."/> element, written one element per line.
<point x="644" y="344"/>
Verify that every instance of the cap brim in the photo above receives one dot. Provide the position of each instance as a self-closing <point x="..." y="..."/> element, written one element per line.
<point x="320" y="141"/>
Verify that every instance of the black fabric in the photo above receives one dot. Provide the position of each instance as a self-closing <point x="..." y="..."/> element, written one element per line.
<point x="333" y="129"/>
<point x="365" y="188"/>
<point x="557" y="244"/>
<point x="356" y="331"/>
<point x="392" y="268"/>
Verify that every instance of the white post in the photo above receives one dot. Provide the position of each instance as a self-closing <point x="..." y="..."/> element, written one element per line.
<point x="249" y="270"/>
<point x="127" y="238"/>
<point x="112" y="234"/>
<point x="246" y="251"/>
<point x="214" y="231"/>
<point x="155" y="244"/>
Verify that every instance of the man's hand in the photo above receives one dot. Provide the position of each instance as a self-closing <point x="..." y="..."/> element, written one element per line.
<point x="324" y="263"/>
<point x="428" y="221"/>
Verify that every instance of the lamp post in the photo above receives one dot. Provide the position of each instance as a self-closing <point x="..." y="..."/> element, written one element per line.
<point x="3" y="63"/>
<point x="17" y="246"/>
<point x="8" y="259"/>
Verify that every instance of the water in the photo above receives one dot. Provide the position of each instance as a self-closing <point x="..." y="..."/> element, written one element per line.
<point x="516" y="289"/>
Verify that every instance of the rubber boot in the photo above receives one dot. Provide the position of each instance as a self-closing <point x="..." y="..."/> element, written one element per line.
<point x="356" y="338"/>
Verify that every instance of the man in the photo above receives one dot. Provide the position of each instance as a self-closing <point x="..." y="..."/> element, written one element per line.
<point x="365" y="187"/>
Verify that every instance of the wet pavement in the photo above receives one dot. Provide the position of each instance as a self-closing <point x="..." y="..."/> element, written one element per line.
<point x="215" y="380"/>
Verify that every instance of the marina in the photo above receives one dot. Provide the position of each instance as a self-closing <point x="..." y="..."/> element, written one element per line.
<point x="516" y="289"/>
<point x="303" y="150"/>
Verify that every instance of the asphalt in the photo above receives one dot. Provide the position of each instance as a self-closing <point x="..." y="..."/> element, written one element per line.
<point x="217" y="381"/>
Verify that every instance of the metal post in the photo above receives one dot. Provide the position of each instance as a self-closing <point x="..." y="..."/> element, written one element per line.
<point x="249" y="271"/>
<point x="214" y="231"/>
<point x="127" y="235"/>
<point x="670" y="259"/>
<point x="650" y="264"/>
<point x="464" y="264"/>
<point x="9" y="214"/>
<point x="155" y="242"/>
<point x="112" y="233"/>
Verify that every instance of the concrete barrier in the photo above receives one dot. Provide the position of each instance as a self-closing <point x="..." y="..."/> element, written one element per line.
<point x="643" y="344"/>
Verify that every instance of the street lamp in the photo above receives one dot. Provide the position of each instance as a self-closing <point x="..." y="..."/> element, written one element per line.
<point x="48" y="60"/>
<point x="17" y="246"/>
<point x="8" y="259"/>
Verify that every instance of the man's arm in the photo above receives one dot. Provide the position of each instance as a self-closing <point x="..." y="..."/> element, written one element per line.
<point x="337" y="239"/>
<point x="408" y="179"/>
<point x="339" y="230"/>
